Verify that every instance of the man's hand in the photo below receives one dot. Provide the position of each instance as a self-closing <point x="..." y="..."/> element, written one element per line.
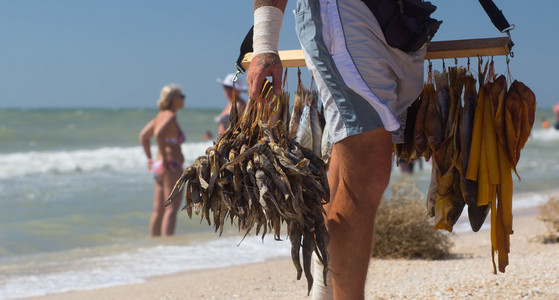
<point x="268" y="16"/>
<point x="262" y="65"/>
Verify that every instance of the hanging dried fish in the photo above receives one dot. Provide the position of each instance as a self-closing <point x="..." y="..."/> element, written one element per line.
<point x="420" y="139"/>
<point x="469" y="187"/>
<point x="473" y="148"/>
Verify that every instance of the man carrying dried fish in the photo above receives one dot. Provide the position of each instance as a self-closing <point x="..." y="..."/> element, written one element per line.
<point x="365" y="86"/>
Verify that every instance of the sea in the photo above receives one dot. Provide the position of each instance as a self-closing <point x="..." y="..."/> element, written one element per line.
<point x="76" y="198"/>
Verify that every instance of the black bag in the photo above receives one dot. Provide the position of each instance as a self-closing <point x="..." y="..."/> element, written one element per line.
<point x="405" y="23"/>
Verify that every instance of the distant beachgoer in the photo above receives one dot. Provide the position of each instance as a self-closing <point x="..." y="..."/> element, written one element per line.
<point x="556" y="111"/>
<point x="223" y="118"/>
<point x="406" y="168"/>
<point x="545" y="123"/>
<point x="167" y="168"/>
<point x="208" y="136"/>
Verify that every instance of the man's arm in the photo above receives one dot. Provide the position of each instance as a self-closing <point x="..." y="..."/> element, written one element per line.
<point x="268" y="15"/>
<point x="277" y="3"/>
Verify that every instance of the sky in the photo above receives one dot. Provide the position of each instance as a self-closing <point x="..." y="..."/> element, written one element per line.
<point x="119" y="54"/>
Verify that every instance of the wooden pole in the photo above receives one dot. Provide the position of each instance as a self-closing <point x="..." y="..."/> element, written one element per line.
<point x="435" y="50"/>
<point x="469" y="48"/>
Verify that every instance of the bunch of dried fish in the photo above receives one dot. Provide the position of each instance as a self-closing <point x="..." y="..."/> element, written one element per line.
<point x="307" y="131"/>
<point x="448" y="201"/>
<point x="307" y="123"/>
<point x="259" y="176"/>
<point x="502" y="125"/>
<point x="474" y="147"/>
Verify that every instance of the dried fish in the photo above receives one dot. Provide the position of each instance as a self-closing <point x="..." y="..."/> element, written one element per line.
<point x="259" y="177"/>
<point x="473" y="148"/>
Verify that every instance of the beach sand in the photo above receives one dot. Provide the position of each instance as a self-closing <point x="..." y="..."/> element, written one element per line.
<point x="532" y="273"/>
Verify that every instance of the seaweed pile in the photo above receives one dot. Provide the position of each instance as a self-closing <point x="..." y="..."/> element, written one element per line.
<point x="259" y="177"/>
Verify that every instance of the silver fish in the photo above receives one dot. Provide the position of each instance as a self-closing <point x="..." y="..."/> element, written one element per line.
<point x="326" y="149"/>
<point x="315" y="125"/>
<point x="443" y="97"/>
<point x="304" y="131"/>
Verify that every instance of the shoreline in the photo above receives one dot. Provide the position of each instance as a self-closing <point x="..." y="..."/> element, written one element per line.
<point x="468" y="273"/>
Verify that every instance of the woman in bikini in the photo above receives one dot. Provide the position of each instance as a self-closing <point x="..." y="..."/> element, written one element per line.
<point x="167" y="168"/>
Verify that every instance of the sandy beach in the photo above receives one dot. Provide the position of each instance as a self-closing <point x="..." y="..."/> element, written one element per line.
<point x="532" y="273"/>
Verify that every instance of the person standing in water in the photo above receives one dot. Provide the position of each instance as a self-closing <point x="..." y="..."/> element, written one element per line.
<point x="223" y="118"/>
<point x="545" y="123"/>
<point x="556" y="111"/>
<point x="167" y="168"/>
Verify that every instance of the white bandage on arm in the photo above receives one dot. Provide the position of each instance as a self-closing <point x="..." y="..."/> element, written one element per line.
<point x="267" y="26"/>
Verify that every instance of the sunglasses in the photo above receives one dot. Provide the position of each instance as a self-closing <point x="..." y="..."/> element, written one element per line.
<point x="182" y="96"/>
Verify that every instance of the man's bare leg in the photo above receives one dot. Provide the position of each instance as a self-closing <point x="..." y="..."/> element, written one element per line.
<point x="363" y="163"/>
<point x="333" y="180"/>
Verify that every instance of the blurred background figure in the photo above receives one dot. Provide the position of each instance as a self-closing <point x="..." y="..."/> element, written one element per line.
<point x="556" y="111"/>
<point x="227" y="83"/>
<point x="208" y="136"/>
<point x="405" y="167"/>
<point x="167" y="168"/>
<point x="545" y="123"/>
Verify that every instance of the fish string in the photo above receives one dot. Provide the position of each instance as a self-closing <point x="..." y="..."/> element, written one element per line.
<point x="284" y="81"/>
<point x="509" y="75"/>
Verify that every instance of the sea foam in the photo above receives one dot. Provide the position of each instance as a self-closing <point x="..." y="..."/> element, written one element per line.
<point x="114" y="159"/>
<point x="545" y="135"/>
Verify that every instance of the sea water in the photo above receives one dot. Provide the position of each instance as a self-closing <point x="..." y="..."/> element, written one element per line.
<point x="76" y="198"/>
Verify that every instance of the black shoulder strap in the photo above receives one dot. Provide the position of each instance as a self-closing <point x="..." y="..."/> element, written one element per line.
<point x="495" y="14"/>
<point x="246" y="47"/>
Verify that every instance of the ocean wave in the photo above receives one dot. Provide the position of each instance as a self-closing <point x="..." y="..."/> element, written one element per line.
<point x="545" y="135"/>
<point x="114" y="159"/>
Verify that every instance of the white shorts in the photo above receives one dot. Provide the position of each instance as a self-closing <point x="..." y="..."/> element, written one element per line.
<point x="364" y="84"/>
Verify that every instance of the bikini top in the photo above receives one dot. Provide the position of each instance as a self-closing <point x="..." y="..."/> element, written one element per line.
<point x="179" y="139"/>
